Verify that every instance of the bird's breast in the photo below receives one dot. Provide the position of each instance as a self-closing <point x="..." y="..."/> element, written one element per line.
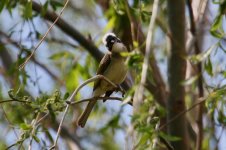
<point x="116" y="73"/>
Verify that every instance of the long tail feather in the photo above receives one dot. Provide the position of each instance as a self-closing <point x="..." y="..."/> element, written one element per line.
<point x="85" y="115"/>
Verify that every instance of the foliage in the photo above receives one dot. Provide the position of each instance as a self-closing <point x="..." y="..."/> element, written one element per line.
<point x="33" y="99"/>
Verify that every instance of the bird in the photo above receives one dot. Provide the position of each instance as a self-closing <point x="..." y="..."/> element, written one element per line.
<point x="113" y="67"/>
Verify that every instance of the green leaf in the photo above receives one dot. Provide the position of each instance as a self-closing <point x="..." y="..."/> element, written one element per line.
<point x="135" y="44"/>
<point x="224" y="74"/>
<point x="169" y="137"/>
<point x="72" y="79"/>
<point x="190" y="80"/>
<point x="66" y="95"/>
<point x="60" y="55"/>
<point x="208" y="67"/>
<point x="110" y="24"/>
<point x="36" y="138"/>
<point x="55" y="4"/>
<point x="144" y="139"/>
<point x="44" y="8"/>
<point x="2" y="4"/>
<point x="25" y="126"/>
<point x="221" y="117"/>
<point x="216" y="28"/>
<point x="202" y="56"/>
<point x="27" y="10"/>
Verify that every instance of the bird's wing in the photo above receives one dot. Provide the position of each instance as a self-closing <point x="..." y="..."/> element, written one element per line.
<point x="105" y="61"/>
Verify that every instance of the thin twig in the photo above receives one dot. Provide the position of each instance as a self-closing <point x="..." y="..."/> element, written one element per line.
<point x="139" y="93"/>
<point x="97" y="77"/>
<point x="33" y="130"/>
<point x="138" y="96"/>
<point x="41" y="119"/>
<point x="201" y="100"/>
<point x="70" y="31"/>
<point x="14" y="100"/>
<point x="11" y="125"/>
<point x="43" y="38"/>
<point x="99" y="98"/>
<point x="200" y="79"/>
<point x="60" y="41"/>
<point x="18" y="46"/>
<point x="131" y="19"/>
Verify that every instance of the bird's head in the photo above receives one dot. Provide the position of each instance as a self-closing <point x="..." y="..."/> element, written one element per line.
<point x="110" y="41"/>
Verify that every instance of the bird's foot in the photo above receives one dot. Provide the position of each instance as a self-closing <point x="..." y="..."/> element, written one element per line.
<point x="119" y="88"/>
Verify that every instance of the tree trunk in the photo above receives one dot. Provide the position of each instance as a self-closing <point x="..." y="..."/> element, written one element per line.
<point x="176" y="73"/>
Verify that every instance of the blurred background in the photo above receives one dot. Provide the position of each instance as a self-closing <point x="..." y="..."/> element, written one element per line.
<point x="70" y="54"/>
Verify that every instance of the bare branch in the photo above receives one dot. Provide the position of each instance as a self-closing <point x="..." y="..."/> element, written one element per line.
<point x="34" y="127"/>
<point x="97" y="77"/>
<point x="15" y="43"/>
<point x="200" y="77"/>
<point x="138" y="97"/>
<point x="14" y="100"/>
<point x="70" y="31"/>
<point x="43" y="38"/>
<point x="201" y="100"/>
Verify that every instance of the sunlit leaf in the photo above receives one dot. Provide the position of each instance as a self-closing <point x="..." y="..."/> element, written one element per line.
<point x="216" y="28"/>
<point x="2" y="4"/>
<point x="169" y="137"/>
<point x="200" y="57"/>
<point x="57" y="56"/>
<point x="25" y="126"/>
<point x="27" y="10"/>
<point x="55" y="4"/>
<point x="36" y="138"/>
<point x="208" y="67"/>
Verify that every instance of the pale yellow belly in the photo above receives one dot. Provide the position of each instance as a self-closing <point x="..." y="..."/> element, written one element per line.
<point x="116" y="73"/>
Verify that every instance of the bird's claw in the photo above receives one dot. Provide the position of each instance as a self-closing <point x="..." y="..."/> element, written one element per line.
<point x="119" y="88"/>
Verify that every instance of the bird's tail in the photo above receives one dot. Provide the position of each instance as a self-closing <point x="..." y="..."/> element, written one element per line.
<point x="84" y="116"/>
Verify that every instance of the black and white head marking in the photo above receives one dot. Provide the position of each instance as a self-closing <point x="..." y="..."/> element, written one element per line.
<point x="109" y="39"/>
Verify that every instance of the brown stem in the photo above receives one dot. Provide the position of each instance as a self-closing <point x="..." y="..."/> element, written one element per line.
<point x="200" y="82"/>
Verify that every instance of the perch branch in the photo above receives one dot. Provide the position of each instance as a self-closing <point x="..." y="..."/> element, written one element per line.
<point x="97" y="77"/>
<point x="99" y="98"/>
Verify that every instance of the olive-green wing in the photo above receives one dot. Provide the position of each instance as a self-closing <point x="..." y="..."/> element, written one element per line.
<point x="105" y="61"/>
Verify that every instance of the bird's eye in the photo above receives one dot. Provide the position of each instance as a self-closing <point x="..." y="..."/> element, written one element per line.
<point x="112" y="41"/>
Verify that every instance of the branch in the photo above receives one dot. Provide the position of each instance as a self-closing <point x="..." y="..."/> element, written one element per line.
<point x="131" y="19"/>
<point x="201" y="100"/>
<point x="200" y="77"/>
<point x="43" y="38"/>
<point x="15" y="43"/>
<point x="34" y="126"/>
<point x="60" y="41"/>
<point x="14" y="100"/>
<point x="98" y="98"/>
<point x="97" y="77"/>
<point x="138" y="97"/>
<point x="70" y="31"/>
<point x="176" y="73"/>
